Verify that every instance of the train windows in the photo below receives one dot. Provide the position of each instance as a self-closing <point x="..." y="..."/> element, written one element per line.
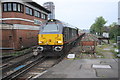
<point x="51" y="28"/>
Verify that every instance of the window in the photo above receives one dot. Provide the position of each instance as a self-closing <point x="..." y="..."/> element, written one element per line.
<point x="38" y="15"/>
<point x="45" y="17"/>
<point x="5" y="7"/>
<point x="9" y="7"/>
<point x="29" y="11"/>
<point x="14" y="7"/>
<point x="51" y="28"/>
<point x="19" y="7"/>
<point x="35" y="13"/>
<point x="42" y="16"/>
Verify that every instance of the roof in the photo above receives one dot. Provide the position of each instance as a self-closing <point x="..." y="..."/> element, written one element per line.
<point x="39" y="6"/>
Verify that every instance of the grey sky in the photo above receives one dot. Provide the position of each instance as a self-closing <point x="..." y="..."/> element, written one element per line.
<point x="82" y="13"/>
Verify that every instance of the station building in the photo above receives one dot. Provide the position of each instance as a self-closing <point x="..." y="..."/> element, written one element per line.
<point x="19" y="23"/>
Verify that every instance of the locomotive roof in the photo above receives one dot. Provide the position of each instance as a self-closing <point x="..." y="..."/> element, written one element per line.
<point x="63" y="23"/>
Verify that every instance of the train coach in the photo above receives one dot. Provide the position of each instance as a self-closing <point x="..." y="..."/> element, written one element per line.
<point x="55" y="37"/>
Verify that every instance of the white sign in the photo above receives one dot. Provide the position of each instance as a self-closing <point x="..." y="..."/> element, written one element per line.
<point x="101" y="66"/>
<point x="116" y="50"/>
<point x="106" y="35"/>
<point x="71" y="56"/>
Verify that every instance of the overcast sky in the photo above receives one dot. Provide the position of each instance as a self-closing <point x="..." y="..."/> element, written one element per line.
<point x="82" y="13"/>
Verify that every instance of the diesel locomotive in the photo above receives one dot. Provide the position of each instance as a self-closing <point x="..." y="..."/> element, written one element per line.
<point x="55" y="37"/>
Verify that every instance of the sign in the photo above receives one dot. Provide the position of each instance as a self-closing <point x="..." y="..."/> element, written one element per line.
<point x="37" y="22"/>
<point x="71" y="56"/>
<point x="106" y="35"/>
<point x="101" y="66"/>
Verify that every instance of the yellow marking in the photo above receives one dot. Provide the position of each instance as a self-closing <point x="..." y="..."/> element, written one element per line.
<point x="50" y="39"/>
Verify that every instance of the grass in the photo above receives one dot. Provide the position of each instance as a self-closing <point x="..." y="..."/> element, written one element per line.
<point x="100" y="50"/>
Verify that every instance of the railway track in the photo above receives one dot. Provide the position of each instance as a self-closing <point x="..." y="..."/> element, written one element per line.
<point x="24" y="67"/>
<point x="15" y="61"/>
<point x="13" y="71"/>
<point x="37" y="64"/>
<point x="41" y="68"/>
<point x="10" y="58"/>
<point x="17" y="68"/>
<point x="8" y="65"/>
<point x="6" y="60"/>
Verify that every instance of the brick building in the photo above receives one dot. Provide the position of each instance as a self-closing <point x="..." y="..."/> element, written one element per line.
<point x="20" y="22"/>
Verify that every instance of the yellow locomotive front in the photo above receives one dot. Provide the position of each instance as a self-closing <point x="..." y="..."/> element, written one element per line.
<point x="50" y="37"/>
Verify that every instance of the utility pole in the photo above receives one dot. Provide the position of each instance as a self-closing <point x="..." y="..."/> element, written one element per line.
<point x="0" y="37"/>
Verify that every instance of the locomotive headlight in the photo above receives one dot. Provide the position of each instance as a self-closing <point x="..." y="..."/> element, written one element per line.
<point x="40" y="41"/>
<point x="59" y="41"/>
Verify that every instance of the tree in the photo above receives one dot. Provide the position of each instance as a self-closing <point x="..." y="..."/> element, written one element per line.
<point x="113" y="24"/>
<point x="98" y="25"/>
<point x="114" y="31"/>
<point x="92" y="29"/>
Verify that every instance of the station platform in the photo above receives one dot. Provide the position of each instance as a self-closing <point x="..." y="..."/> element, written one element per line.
<point x="84" y="68"/>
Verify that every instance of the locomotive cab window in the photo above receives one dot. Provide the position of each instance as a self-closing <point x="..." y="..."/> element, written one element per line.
<point x="51" y="28"/>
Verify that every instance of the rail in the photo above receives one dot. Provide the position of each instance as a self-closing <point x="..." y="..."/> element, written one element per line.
<point x="22" y="70"/>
